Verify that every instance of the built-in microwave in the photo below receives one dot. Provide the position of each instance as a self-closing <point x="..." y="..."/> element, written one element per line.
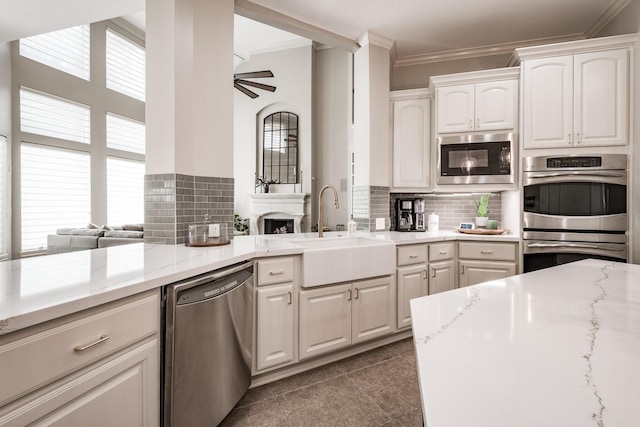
<point x="476" y="159"/>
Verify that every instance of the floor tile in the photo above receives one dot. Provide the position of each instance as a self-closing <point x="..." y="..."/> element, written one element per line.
<point x="313" y="376"/>
<point x="256" y="394"/>
<point x="265" y="413"/>
<point x="334" y="402"/>
<point x="366" y="359"/>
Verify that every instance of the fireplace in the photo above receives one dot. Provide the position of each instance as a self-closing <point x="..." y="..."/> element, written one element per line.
<point x="273" y="211"/>
<point x="278" y="226"/>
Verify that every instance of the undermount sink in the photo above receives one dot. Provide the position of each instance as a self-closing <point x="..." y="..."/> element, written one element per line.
<point x="341" y="259"/>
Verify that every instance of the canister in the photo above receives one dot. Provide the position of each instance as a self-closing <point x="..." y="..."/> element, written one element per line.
<point x="433" y="223"/>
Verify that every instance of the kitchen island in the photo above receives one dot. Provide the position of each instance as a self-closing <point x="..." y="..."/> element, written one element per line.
<point x="555" y="347"/>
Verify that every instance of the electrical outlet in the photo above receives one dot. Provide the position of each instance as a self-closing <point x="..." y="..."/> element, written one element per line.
<point x="379" y="223"/>
<point x="214" y="230"/>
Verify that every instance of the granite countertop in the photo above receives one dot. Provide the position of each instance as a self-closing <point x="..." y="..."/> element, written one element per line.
<point x="38" y="289"/>
<point x="555" y="347"/>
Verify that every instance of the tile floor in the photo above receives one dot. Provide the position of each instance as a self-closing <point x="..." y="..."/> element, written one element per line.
<point x="376" y="388"/>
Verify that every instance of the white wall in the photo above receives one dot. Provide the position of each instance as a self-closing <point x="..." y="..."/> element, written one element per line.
<point x="331" y="125"/>
<point x="292" y="70"/>
<point x="5" y="90"/>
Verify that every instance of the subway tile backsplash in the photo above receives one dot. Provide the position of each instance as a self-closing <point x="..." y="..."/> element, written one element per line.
<point x="451" y="208"/>
<point x="173" y="201"/>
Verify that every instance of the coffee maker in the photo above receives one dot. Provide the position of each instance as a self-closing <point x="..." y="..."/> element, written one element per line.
<point x="410" y="215"/>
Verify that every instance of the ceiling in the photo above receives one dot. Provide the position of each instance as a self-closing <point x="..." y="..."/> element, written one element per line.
<point x="423" y="31"/>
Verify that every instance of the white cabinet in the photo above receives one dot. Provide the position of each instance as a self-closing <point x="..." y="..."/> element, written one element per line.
<point x="98" y="367"/>
<point x="275" y="308"/>
<point x="484" y="106"/>
<point x="576" y="100"/>
<point x="412" y="282"/>
<point x="442" y="273"/>
<point x="337" y="316"/>
<point x="411" y="140"/>
<point x="483" y="261"/>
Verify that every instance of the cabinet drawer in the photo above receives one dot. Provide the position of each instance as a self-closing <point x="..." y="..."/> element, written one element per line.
<point x="50" y="353"/>
<point x="440" y="251"/>
<point x="487" y="250"/>
<point x="412" y="254"/>
<point x="275" y="270"/>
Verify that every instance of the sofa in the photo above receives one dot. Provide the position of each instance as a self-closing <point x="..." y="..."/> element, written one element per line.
<point x="92" y="237"/>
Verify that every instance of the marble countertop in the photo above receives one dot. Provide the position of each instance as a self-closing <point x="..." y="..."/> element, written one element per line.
<point x="554" y="347"/>
<point x="38" y="289"/>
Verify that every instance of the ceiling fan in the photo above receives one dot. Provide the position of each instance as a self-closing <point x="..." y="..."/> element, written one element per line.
<point x="239" y="82"/>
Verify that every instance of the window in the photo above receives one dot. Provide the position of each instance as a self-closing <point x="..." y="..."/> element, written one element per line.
<point x="125" y="191"/>
<point x="52" y="116"/>
<point x="125" y="134"/>
<point x="55" y="192"/>
<point x="125" y="66"/>
<point x="280" y="148"/>
<point x="66" y="50"/>
<point x="80" y="141"/>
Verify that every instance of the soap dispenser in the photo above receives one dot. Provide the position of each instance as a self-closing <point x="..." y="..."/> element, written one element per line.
<point x="352" y="226"/>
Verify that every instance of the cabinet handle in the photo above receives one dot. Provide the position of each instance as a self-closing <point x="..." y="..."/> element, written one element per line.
<point x="461" y="268"/>
<point x="578" y="138"/>
<point x="349" y="298"/>
<point x="413" y="256"/>
<point x="470" y="123"/>
<point x="570" y="141"/>
<point x="477" y="123"/>
<point x="486" y="252"/>
<point x="443" y="252"/>
<point x="424" y="274"/>
<point x="289" y="298"/>
<point x="276" y="273"/>
<point x="356" y="294"/>
<point x="433" y="272"/>
<point x="102" y="339"/>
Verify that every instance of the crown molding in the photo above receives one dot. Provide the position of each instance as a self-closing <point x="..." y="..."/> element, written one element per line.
<point x="498" y="74"/>
<point x="475" y="52"/>
<point x="375" y="39"/>
<point x="578" y="46"/>
<point x="612" y="11"/>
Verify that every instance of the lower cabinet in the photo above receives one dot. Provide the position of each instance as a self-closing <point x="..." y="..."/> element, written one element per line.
<point x="483" y="261"/>
<point x="412" y="283"/>
<point x="275" y="310"/>
<point x="98" y="367"/>
<point x="442" y="276"/>
<point x="337" y="316"/>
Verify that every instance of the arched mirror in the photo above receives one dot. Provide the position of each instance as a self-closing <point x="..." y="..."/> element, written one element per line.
<point x="280" y="148"/>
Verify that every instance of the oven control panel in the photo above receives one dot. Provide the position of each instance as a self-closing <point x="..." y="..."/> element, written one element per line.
<point x="574" y="162"/>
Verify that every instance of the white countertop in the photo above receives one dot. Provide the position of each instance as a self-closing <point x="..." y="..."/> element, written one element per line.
<point x="555" y="347"/>
<point x="34" y="290"/>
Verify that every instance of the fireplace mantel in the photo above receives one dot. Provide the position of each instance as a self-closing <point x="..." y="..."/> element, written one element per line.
<point x="276" y="205"/>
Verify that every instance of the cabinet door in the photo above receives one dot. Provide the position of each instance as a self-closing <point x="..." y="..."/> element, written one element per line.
<point x="601" y="85"/>
<point x="496" y="105"/>
<point x="373" y="309"/>
<point x="473" y="272"/>
<point x="547" y="104"/>
<point x="411" y="143"/>
<point x="118" y="391"/>
<point x="455" y="108"/>
<point x="325" y="320"/>
<point x="442" y="276"/>
<point x="274" y="323"/>
<point x="412" y="283"/>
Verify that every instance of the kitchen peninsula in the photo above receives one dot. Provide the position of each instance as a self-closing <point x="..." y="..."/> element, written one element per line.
<point x="556" y="347"/>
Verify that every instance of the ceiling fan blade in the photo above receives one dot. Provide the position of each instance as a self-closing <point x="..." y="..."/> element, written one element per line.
<point x="253" y="74"/>
<point x="258" y="85"/>
<point x="246" y="91"/>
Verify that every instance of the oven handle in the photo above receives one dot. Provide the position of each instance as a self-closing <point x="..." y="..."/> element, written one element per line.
<point x="577" y="173"/>
<point x="572" y="245"/>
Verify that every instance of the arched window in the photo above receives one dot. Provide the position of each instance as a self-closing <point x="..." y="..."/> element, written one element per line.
<point x="280" y="148"/>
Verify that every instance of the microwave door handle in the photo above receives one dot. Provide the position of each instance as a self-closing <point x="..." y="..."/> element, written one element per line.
<point x="571" y="245"/>
<point x="586" y="174"/>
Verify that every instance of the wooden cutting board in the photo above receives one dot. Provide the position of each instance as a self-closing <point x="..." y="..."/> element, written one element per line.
<point x="482" y="231"/>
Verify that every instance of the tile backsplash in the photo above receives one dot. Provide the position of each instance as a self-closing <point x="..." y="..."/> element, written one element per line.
<point x="451" y="208"/>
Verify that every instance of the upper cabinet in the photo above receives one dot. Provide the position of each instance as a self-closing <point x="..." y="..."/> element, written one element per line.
<point x="476" y="101"/>
<point x="411" y="137"/>
<point x="477" y="107"/>
<point x="576" y="94"/>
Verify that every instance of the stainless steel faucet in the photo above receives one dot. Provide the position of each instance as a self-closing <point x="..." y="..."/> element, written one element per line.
<point x="335" y="201"/>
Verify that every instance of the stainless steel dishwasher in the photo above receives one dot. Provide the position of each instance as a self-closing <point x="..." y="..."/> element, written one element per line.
<point x="207" y="346"/>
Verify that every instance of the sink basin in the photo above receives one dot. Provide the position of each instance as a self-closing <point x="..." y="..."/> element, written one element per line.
<point x="333" y="260"/>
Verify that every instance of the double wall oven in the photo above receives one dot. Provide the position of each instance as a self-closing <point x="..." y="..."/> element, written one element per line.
<point x="574" y="207"/>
